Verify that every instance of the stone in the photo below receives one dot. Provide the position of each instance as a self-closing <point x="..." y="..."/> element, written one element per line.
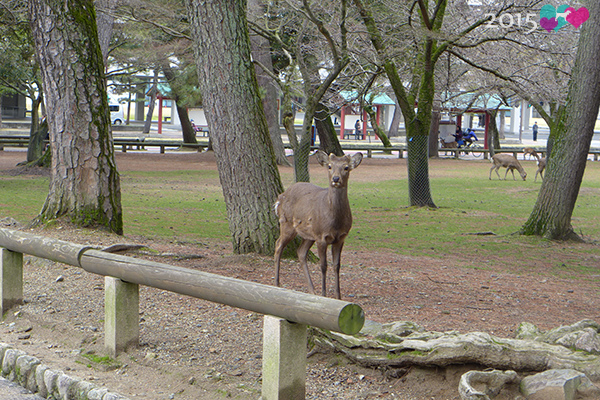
<point x="559" y="384"/>
<point x="585" y="340"/>
<point x="25" y="371"/>
<point x="9" y="362"/>
<point x="97" y="394"/>
<point x="528" y="331"/>
<point x="484" y="385"/>
<point x="39" y="380"/>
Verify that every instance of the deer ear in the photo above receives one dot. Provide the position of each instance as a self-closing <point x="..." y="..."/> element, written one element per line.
<point x="322" y="157"/>
<point x="355" y="160"/>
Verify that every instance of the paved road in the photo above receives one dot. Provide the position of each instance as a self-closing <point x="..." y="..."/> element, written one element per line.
<point x="11" y="391"/>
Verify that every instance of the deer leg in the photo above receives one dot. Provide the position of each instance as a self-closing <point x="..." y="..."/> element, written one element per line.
<point x="284" y="238"/>
<point x="302" y="255"/>
<point x="322" y="250"/>
<point x="513" y="173"/>
<point x="506" y="173"/>
<point x="497" y="168"/>
<point x="336" y="255"/>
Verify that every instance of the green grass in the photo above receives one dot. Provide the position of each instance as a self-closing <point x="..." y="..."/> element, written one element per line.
<point x="189" y="206"/>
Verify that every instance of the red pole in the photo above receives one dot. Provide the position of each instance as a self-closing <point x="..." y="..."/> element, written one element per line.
<point x="160" y="105"/>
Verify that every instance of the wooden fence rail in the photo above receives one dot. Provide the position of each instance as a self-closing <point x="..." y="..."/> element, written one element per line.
<point x="287" y="313"/>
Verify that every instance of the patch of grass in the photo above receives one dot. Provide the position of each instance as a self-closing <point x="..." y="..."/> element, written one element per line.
<point x="105" y="362"/>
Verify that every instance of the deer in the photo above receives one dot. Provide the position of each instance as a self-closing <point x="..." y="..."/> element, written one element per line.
<point x="509" y="162"/>
<point x="540" y="170"/>
<point x="531" y="152"/>
<point x="448" y="145"/>
<point x="317" y="214"/>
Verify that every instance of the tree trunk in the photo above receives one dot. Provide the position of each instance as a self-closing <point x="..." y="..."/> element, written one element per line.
<point x="37" y="133"/>
<point x="261" y="51"/>
<point x="84" y="186"/>
<point x="378" y="130"/>
<point x="105" y="21"/>
<point x="551" y="215"/>
<point x="189" y="135"/>
<point x="434" y="134"/>
<point x="329" y="142"/>
<point x="153" y="93"/>
<point x="239" y="132"/>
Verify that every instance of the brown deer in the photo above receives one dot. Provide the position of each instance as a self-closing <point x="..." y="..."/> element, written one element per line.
<point x="448" y="145"/>
<point x="319" y="215"/>
<point x="531" y="151"/>
<point x="510" y="163"/>
<point x="540" y="170"/>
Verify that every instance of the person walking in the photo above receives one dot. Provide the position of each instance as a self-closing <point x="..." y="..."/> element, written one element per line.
<point x="535" y="131"/>
<point x="357" y="129"/>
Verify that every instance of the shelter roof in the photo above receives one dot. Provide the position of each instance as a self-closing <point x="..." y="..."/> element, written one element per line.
<point x="474" y="102"/>
<point x="377" y="99"/>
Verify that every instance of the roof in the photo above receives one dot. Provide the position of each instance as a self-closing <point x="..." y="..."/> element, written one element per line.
<point x="473" y="102"/>
<point x="380" y="99"/>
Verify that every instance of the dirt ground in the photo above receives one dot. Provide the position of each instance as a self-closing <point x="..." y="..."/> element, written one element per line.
<point x="192" y="349"/>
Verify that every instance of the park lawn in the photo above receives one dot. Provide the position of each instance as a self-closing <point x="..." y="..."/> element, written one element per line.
<point x="475" y="222"/>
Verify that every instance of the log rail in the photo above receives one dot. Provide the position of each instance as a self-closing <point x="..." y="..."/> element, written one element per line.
<point x="287" y="313"/>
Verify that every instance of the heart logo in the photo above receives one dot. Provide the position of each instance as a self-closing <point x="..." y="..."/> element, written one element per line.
<point x="552" y="19"/>
<point x="577" y="17"/>
<point x="548" y="24"/>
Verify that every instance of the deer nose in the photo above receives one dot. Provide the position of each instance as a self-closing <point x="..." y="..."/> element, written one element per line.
<point x="336" y="179"/>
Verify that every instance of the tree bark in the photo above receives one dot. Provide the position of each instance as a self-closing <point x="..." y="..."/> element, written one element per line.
<point x="261" y="51"/>
<point x="187" y="131"/>
<point x="240" y="135"/>
<point x="84" y="186"/>
<point x="153" y="93"/>
<point x="551" y="215"/>
<point x="329" y="142"/>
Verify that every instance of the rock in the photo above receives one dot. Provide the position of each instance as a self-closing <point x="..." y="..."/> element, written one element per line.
<point x="528" y="331"/>
<point x="553" y="335"/>
<point x="559" y="384"/>
<point x="586" y="340"/>
<point x="479" y="385"/>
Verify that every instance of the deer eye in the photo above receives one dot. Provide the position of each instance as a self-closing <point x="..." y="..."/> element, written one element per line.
<point x="346" y="168"/>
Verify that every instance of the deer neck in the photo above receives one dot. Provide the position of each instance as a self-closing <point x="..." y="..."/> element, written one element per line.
<point x="338" y="200"/>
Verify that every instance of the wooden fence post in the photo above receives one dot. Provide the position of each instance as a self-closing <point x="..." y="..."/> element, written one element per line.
<point x="121" y="315"/>
<point x="11" y="279"/>
<point x="284" y="359"/>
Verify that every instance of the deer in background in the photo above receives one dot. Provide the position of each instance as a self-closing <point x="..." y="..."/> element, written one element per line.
<point x="317" y="214"/>
<point x="531" y="151"/>
<point x="540" y="170"/>
<point x="509" y="162"/>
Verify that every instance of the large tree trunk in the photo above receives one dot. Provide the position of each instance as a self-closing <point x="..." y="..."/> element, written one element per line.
<point x="239" y="131"/>
<point x="261" y="51"/>
<point x="105" y="22"/>
<point x="85" y="183"/>
<point x="551" y="215"/>
<point x="327" y="136"/>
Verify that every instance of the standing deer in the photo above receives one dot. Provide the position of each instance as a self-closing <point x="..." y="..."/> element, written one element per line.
<point x="319" y="215"/>
<point x="540" y="170"/>
<point x="510" y="163"/>
<point x="531" y="151"/>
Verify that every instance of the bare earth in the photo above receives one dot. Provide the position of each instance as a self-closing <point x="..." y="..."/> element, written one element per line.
<point x="192" y="349"/>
